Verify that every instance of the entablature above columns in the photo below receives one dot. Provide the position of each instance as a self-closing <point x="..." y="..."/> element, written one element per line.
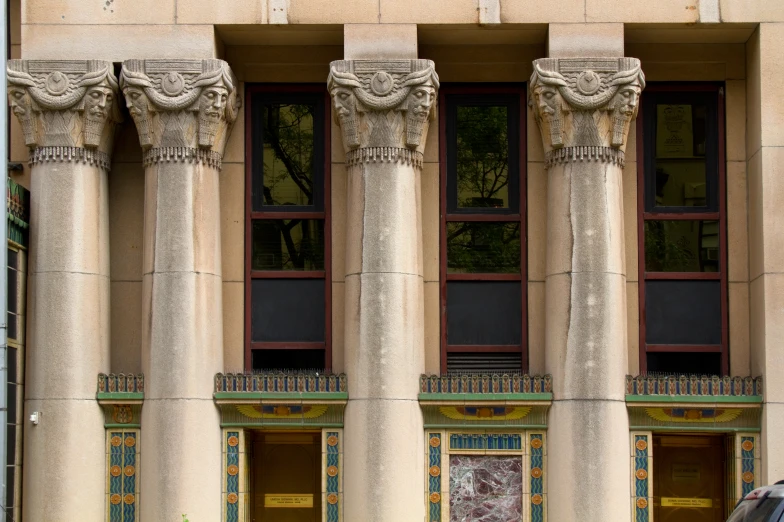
<point x="384" y="108"/>
<point x="183" y="109"/>
<point x="67" y="108"/>
<point x="584" y="106"/>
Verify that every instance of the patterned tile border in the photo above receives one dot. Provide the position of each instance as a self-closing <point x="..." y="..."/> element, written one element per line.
<point x="234" y="476"/>
<point x="642" y="476"/>
<point x="122" y="472"/>
<point x="530" y="445"/>
<point x="120" y="383"/>
<point x="332" y="478"/>
<point x="692" y="385"/>
<point x="279" y="382"/>
<point x="490" y="383"/>
<point x="747" y="463"/>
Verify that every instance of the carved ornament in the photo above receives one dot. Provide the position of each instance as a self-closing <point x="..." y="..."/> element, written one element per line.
<point x="383" y="108"/>
<point x="68" y="109"/>
<point x="183" y="109"/>
<point x="584" y="106"/>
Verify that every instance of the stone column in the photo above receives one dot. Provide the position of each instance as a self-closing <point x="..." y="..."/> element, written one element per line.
<point x="68" y="112"/>
<point x="383" y="109"/>
<point x="183" y="110"/>
<point x="584" y="107"/>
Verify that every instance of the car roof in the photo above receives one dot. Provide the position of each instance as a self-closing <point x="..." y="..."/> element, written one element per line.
<point x="776" y="491"/>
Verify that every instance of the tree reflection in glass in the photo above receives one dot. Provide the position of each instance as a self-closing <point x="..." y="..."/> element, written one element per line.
<point x="482" y="157"/>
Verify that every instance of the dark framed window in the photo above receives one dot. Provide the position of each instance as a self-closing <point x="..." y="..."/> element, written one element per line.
<point x="682" y="230"/>
<point x="483" y="232"/>
<point x="287" y="229"/>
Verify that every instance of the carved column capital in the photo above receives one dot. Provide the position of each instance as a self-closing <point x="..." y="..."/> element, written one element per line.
<point x="67" y="108"/>
<point x="383" y="108"/>
<point x="584" y="106"/>
<point x="183" y="109"/>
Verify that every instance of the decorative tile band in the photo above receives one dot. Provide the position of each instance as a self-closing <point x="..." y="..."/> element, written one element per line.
<point x="332" y="477"/>
<point x="279" y="382"/>
<point x="693" y="385"/>
<point x="123" y="471"/>
<point x="748" y="472"/>
<point x="485" y="441"/>
<point x="18" y="212"/>
<point x="434" y="467"/>
<point x="233" y="504"/>
<point x="120" y="383"/>
<point x="536" y="442"/>
<point x="182" y="155"/>
<point x="385" y="155"/>
<point x="641" y="503"/>
<point x="486" y="383"/>
<point x="70" y="154"/>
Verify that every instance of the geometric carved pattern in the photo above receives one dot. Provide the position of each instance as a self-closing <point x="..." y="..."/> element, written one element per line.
<point x="642" y="476"/>
<point x="122" y="466"/>
<point x="486" y="383"/>
<point x="684" y="385"/>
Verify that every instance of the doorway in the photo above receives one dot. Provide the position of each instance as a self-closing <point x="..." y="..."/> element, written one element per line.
<point x="689" y="478"/>
<point x="285" y="476"/>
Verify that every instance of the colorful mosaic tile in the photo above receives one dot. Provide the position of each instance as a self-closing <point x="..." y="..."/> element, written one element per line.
<point x="641" y="478"/>
<point x="434" y="448"/>
<point x="485" y="441"/>
<point x="120" y="383"/>
<point x="122" y="480"/>
<point x="536" y="451"/>
<point x="693" y="385"/>
<point x="232" y="474"/>
<point x="332" y="478"/>
<point x="748" y="473"/>
<point x="279" y="382"/>
<point x="485" y="383"/>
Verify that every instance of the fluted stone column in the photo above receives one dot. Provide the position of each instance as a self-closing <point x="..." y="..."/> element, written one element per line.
<point x="584" y="107"/>
<point x="68" y="111"/>
<point x="384" y="108"/>
<point x="183" y="110"/>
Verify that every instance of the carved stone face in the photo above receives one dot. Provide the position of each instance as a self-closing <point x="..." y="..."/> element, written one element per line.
<point x="97" y="105"/>
<point x="22" y="106"/>
<point x="212" y="110"/>
<point x="139" y="107"/>
<point x="623" y="109"/>
<point x="345" y="104"/>
<point x="420" y="102"/>
<point x="549" y="107"/>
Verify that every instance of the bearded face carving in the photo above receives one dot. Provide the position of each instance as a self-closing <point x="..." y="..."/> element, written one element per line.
<point x="420" y="103"/>
<point x="549" y="105"/>
<point x="212" y="112"/>
<point x="345" y="104"/>
<point x="22" y="107"/>
<point x="139" y="108"/>
<point x="623" y="109"/>
<point x="97" y="104"/>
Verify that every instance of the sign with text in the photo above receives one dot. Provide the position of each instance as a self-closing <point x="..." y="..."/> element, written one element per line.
<point x="288" y="501"/>
<point x="686" y="502"/>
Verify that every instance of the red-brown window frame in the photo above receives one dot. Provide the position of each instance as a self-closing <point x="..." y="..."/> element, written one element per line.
<point x="521" y="217"/>
<point x="720" y="216"/>
<point x="251" y="215"/>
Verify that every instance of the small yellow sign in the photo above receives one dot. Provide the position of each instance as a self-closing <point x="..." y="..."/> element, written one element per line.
<point x="686" y="502"/>
<point x="288" y="501"/>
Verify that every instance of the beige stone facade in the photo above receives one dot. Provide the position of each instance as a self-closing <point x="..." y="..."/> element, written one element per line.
<point x="141" y="258"/>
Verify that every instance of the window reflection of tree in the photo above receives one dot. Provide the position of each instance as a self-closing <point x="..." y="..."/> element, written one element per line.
<point x="288" y="132"/>
<point x="483" y="182"/>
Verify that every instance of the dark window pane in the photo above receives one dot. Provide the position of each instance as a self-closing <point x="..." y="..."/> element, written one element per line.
<point x="684" y="363"/>
<point x="295" y="244"/>
<point x="288" y="153"/>
<point x="287" y="359"/>
<point x="12" y="365"/>
<point x="477" y="247"/>
<point x="680" y="155"/>
<point x="683" y="312"/>
<point x="482" y="157"/>
<point x="483" y="312"/>
<point x="13" y="326"/>
<point x="13" y="258"/>
<point x="287" y="310"/>
<point x="682" y="246"/>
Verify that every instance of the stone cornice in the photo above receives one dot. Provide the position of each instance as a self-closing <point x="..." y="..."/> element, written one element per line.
<point x="183" y="109"/>
<point x="384" y="108"/>
<point x="584" y="106"/>
<point x="68" y="109"/>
